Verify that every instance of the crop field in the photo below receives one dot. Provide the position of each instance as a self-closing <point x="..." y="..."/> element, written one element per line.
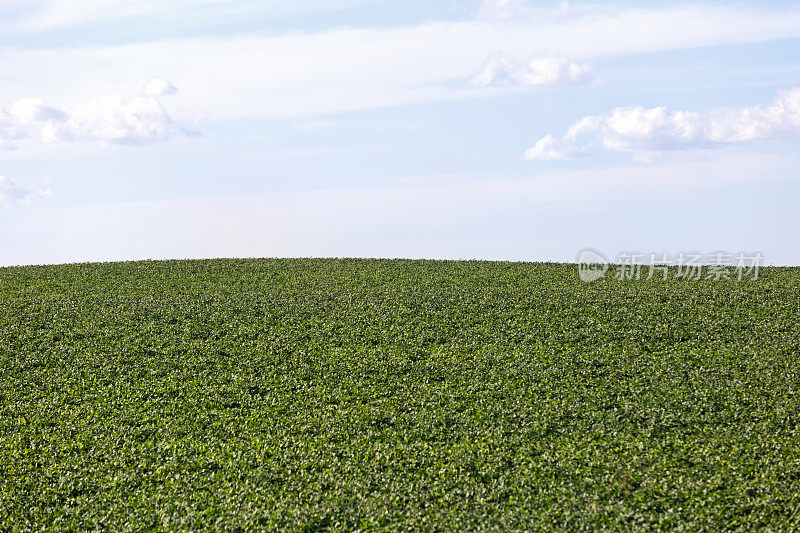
<point x="324" y="394"/>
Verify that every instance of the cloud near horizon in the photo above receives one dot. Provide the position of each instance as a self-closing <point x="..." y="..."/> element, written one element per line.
<point x="135" y="120"/>
<point x="650" y="130"/>
<point x="500" y="71"/>
<point x="11" y="192"/>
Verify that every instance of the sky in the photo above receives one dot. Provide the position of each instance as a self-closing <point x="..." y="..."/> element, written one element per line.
<point x="455" y="129"/>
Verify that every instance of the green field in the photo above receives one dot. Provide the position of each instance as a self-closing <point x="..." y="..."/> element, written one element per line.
<point x="393" y="394"/>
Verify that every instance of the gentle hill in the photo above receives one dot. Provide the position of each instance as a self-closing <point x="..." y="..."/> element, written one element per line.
<point x="320" y="393"/>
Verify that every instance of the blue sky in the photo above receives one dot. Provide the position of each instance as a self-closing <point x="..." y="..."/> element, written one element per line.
<point x="496" y="129"/>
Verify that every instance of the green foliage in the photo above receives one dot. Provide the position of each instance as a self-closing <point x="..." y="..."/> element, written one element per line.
<point x="319" y="394"/>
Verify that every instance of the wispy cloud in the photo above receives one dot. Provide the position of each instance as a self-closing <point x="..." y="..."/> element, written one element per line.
<point x="13" y="192"/>
<point x="284" y="75"/>
<point x="642" y="130"/>
<point x="503" y="10"/>
<point x="500" y="71"/>
<point x="130" y="120"/>
<point x="42" y="15"/>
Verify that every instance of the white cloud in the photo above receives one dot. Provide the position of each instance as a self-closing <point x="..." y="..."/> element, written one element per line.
<point x="499" y="70"/>
<point x="550" y="149"/>
<point x="159" y="87"/>
<point x="284" y="75"/>
<point x="11" y="191"/>
<point x="644" y="130"/>
<point x="128" y="120"/>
